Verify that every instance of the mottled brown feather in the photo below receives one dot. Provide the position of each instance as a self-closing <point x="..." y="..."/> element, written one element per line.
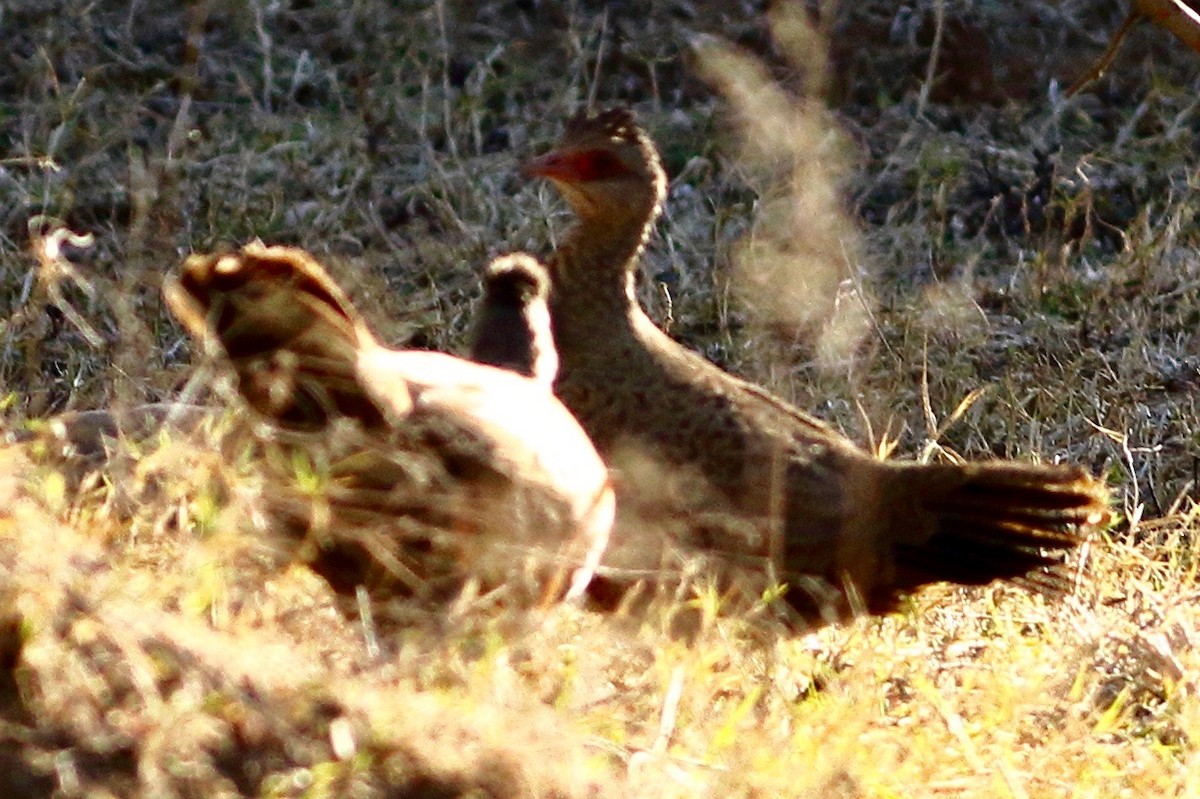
<point x="821" y="512"/>
<point x="482" y="457"/>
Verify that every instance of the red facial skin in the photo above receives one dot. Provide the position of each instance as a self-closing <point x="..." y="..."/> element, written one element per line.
<point x="579" y="166"/>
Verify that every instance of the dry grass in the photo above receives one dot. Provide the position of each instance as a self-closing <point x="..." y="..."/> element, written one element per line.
<point x="990" y="236"/>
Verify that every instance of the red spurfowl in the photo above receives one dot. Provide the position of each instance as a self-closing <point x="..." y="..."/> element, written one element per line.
<point x="481" y="452"/>
<point x="764" y="484"/>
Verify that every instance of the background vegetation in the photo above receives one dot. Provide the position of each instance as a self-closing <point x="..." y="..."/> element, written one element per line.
<point x="960" y="262"/>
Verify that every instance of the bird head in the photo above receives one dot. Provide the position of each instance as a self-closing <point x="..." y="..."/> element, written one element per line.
<point x="605" y="166"/>
<point x="516" y="281"/>
<point x="513" y="330"/>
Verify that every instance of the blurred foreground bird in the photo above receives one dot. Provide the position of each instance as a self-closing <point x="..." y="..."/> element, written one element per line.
<point x="415" y="452"/>
<point x="759" y="483"/>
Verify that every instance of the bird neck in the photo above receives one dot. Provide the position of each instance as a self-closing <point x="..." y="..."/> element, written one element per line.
<point x="593" y="269"/>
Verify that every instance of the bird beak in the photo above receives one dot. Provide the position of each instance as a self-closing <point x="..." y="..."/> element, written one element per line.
<point x="553" y="165"/>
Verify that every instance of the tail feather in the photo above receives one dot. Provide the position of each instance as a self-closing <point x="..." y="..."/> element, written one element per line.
<point x="1046" y="488"/>
<point x="999" y="521"/>
<point x="1006" y="533"/>
<point x="1039" y="571"/>
<point x="978" y="565"/>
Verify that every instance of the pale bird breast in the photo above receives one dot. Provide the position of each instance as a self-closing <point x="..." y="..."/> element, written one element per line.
<point x="528" y="427"/>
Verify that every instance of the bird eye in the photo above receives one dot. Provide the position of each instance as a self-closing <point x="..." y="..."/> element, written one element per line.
<point x="598" y="165"/>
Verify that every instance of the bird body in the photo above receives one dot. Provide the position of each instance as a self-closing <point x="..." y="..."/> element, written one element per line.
<point x="501" y="455"/>
<point x="804" y="502"/>
<point x="536" y="438"/>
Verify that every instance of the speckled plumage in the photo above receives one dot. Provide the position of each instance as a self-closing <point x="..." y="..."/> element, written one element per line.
<point x="807" y="504"/>
<point x="486" y="454"/>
